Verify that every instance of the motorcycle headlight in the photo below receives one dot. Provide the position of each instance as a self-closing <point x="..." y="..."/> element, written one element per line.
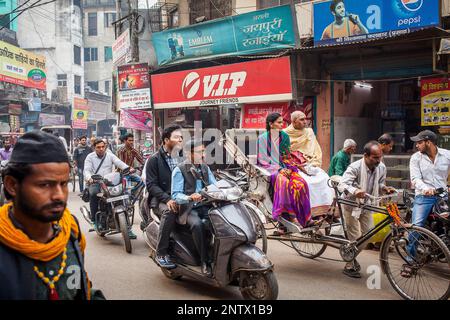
<point x="115" y="191"/>
<point x="233" y="194"/>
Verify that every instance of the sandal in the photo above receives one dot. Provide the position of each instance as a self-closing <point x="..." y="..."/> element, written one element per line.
<point x="407" y="271"/>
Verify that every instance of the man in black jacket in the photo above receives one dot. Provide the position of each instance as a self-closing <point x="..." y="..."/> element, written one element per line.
<point x="158" y="181"/>
<point x="79" y="156"/>
<point x="38" y="235"/>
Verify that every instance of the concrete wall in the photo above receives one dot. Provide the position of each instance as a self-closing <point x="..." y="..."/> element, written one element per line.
<point x="52" y="30"/>
<point x="323" y="121"/>
<point x="244" y="6"/>
<point x="99" y="70"/>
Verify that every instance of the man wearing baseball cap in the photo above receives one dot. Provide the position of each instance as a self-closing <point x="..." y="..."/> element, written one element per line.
<point x="429" y="169"/>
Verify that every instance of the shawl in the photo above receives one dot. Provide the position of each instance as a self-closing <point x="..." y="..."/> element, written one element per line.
<point x="270" y="153"/>
<point x="305" y="142"/>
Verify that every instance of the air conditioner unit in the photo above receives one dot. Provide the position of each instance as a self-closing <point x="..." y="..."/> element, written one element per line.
<point x="305" y="16"/>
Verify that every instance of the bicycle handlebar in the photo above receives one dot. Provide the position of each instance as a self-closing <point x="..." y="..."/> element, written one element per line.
<point x="387" y="196"/>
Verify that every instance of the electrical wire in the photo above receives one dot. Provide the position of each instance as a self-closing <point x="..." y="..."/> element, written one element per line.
<point x="15" y="10"/>
<point x="22" y="11"/>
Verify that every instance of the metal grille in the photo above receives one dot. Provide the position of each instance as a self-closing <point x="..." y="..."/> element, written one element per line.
<point x="160" y="15"/>
<point x="209" y="9"/>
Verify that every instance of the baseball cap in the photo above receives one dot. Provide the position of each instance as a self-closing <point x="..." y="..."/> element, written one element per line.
<point x="425" y="135"/>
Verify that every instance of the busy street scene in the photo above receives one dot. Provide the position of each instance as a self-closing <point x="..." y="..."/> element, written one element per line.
<point x="212" y="150"/>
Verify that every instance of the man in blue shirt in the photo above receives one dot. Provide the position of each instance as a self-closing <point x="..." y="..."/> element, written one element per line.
<point x="186" y="193"/>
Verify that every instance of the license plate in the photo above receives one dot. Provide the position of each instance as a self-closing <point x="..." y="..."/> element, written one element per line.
<point x="124" y="197"/>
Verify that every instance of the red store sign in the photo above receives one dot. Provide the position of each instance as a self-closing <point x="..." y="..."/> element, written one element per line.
<point x="248" y="82"/>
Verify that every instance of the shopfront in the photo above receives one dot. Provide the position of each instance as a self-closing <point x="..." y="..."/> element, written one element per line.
<point x="221" y="97"/>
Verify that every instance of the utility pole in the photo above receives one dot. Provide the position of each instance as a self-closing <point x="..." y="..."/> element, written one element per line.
<point x="118" y="26"/>
<point x="133" y="14"/>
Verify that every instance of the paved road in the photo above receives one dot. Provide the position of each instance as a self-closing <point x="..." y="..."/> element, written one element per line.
<point x="134" y="276"/>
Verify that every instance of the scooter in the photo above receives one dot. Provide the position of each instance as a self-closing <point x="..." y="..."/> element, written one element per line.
<point x="232" y="236"/>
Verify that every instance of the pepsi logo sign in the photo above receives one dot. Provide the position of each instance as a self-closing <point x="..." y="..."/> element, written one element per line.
<point x="412" y="5"/>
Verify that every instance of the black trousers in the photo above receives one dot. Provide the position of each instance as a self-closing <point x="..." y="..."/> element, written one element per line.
<point x="197" y="228"/>
<point x="168" y="221"/>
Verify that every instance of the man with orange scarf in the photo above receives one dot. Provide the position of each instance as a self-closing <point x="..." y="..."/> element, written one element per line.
<point x="41" y="245"/>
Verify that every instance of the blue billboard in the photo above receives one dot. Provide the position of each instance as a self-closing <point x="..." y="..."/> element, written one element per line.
<point x="342" y="21"/>
<point x="254" y="32"/>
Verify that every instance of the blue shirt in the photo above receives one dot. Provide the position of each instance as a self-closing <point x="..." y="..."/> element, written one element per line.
<point x="178" y="185"/>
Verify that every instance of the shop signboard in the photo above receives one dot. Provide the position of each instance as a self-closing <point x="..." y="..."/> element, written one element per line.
<point x="435" y="98"/>
<point x="29" y="117"/>
<point x="80" y="113"/>
<point x="121" y="49"/>
<point x="48" y="119"/>
<point x="22" y="67"/>
<point x="136" y="119"/>
<point x="255" y="81"/>
<point x="253" y="32"/>
<point x="134" y="86"/>
<point x="355" y="20"/>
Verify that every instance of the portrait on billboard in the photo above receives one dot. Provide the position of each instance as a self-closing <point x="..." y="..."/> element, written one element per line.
<point x="345" y="24"/>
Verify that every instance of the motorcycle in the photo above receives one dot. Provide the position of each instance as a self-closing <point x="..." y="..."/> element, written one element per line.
<point x="115" y="213"/>
<point x="3" y="165"/>
<point x="231" y="243"/>
<point x="439" y="219"/>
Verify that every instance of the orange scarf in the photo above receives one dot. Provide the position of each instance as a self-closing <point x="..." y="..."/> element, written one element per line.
<point x="17" y="240"/>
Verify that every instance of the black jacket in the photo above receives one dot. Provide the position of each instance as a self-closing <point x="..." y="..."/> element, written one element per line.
<point x="17" y="277"/>
<point x="158" y="177"/>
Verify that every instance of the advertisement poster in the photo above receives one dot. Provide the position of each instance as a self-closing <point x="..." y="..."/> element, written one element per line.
<point x="79" y="113"/>
<point x="246" y="82"/>
<point x="134" y="86"/>
<point x="121" y="49"/>
<point x="48" y="119"/>
<point x="254" y="115"/>
<point x="22" y="67"/>
<point x="254" y="32"/>
<point x="136" y="119"/>
<point x="356" y="20"/>
<point x="435" y="107"/>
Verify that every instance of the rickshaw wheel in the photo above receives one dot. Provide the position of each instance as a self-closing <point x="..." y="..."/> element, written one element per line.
<point x="309" y="250"/>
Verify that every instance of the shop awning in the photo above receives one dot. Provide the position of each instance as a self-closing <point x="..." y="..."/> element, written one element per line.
<point x="416" y="35"/>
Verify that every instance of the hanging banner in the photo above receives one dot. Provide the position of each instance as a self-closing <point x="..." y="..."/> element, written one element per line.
<point x="134" y="86"/>
<point x="253" y="32"/>
<point x="22" y="67"/>
<point x="435" y="106"/>
<point x="136" y="119"/>
<point x="79" y="113"/>
<point x="339" y="22"/>
<point x="256" y="81"/>
<point x="121" y="49"/>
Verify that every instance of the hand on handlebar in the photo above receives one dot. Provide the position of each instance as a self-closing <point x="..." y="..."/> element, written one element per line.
<point x="389" y="190"/>
<point x="196" y="197"/>
<point x="360" y="194"/>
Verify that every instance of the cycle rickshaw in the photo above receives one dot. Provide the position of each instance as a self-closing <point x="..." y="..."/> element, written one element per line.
<point x="424" y="252"/>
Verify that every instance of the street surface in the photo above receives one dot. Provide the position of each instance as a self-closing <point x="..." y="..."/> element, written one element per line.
<point x="134" y="276"/>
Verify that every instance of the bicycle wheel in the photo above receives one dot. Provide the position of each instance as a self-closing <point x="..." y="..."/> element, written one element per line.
<point x="309" y="250"/>
<point x="430" y="265"/>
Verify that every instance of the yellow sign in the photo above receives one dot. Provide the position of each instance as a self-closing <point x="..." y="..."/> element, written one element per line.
<point x="22" y="67"/>
<point x="435" y="107"/>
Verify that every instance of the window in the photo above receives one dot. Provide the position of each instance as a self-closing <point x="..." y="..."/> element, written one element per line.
<point x="77" y="3"/>
<point x="93" y="85"/>
<point x="77" y="55"/>
<point x="62" y="80"/>
<point x="173" y="19"/>
<point x="109" y="18"/>
<point x="77" y="84"/>
<point x="108" y="54"/>
<point x="92" y="23"/>
<point x="108" y="87"/>
<point x="90" y="54"/>
<point x="5" y="21"/>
